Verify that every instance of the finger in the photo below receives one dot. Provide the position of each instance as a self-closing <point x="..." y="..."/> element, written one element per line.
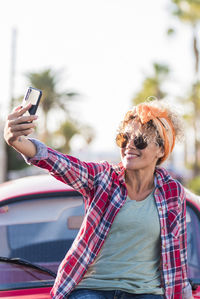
<point x="22" y="127"/>
<point x="16" y="108"/>
<point x="12" y="115"/>
<point x="28" y="132"/>
<point x="24" y="133"/>
<point x="23" y="119"/>
<point x="23" y="109"/>
<point x="18" y="111"/>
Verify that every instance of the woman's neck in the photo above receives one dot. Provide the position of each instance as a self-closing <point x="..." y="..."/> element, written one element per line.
<point x="139" y="183"/>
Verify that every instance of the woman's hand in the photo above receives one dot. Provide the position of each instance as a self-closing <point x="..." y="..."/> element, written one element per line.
<point x="15" y="126"/>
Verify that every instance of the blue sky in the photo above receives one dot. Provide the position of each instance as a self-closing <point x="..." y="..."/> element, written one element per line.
<point x="104" y="47"/>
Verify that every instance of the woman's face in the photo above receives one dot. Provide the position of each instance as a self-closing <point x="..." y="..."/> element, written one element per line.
<point x="136" y="159"/>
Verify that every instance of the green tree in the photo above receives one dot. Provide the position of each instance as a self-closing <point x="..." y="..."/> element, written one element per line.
<point x="188" y="11"/>
<point x="152" y="85"/>
<point x="48" y="81"/>
<point x="68" y="130"/>
<point x="194" y="185"/>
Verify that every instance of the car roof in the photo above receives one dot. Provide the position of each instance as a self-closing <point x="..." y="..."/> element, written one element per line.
<point x="31" y="185"/>
<point x="46" y="183"/>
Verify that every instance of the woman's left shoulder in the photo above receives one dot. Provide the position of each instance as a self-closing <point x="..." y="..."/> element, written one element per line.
<point x="168" y="180"/>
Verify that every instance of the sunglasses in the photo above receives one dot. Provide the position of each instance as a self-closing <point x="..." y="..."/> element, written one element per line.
<point x="139" y="141"/>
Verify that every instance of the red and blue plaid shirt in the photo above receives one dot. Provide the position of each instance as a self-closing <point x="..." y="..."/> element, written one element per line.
<point x="104" y="191"/>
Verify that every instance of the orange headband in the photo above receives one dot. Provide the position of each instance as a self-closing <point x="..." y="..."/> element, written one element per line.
<point x="147" y="112"/>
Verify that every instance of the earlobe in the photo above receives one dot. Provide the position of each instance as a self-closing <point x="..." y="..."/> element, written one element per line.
<point x="161" y="153"/>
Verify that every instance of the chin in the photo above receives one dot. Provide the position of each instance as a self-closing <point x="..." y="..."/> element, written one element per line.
<point x="131" y="165"/>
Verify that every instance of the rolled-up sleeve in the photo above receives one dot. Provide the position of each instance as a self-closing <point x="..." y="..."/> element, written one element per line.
<point x="42" y="152"/>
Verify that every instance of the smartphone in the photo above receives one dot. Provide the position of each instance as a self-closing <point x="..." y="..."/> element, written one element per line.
<point x="33" y="96"/>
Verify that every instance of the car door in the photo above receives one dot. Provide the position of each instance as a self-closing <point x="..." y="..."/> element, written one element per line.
<point x="193" y="250"/>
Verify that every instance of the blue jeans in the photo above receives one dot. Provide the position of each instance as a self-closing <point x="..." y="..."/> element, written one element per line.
<point x="97" y="294"/>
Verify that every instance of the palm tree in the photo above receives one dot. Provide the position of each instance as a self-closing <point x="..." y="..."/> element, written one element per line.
<point x="48" y="81"/>
<point x="151" y="85"/>
<point x="68" y="130"/>
<point x="188" y="11"/>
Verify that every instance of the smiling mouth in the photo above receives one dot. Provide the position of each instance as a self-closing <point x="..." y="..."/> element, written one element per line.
<point x="131" y="155"/>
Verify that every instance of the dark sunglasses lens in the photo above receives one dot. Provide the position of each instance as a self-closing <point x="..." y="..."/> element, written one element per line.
<point x="140" y="142"/>
<point x="121" y="140"/>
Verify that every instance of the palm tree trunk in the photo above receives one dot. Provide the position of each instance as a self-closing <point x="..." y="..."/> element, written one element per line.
<point x="195" y="102"/>
<point x="196" y="52"/>
<point x="45" y="136"/>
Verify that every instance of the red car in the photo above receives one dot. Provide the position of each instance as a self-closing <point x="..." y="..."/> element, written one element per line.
<point x="39" y="219"/>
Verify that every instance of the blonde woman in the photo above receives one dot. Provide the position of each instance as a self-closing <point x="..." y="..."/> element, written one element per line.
<point x="132" y="242"/>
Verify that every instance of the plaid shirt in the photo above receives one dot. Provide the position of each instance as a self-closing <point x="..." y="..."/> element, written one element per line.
<point x="104" y="191"/>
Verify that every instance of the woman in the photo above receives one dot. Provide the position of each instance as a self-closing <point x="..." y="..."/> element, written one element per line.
<point x="132" y="242"/>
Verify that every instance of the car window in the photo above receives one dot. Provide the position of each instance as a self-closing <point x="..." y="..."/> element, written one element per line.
<point x="43" y="242"/>
<point x="193" y="241"/>
<point x="42" y="233"/>
<point x="37" y="210"/>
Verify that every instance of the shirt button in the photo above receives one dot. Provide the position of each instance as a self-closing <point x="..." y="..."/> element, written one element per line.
<point x="165" y="265"/>
<point x="163" y="228"/>
<point x="160" y="209"/>
<point x="164" y="245"/>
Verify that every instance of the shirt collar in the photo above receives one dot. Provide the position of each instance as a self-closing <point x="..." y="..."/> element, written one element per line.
<point x="161" y="175"/>
<point x="119" y="168"/>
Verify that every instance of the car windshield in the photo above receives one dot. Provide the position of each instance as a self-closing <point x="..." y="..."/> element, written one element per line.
<point x="40" y="231"/>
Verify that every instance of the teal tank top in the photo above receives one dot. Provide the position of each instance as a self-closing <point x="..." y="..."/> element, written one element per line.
<point x="130" y="256"/>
